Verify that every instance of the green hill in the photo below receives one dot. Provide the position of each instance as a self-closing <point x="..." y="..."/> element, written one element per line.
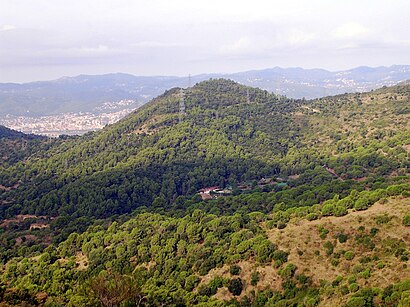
<point x="16" y="146"/>
<point x="279" y="160"/>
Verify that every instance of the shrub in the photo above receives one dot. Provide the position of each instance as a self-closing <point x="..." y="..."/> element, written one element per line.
<point x="351" y="279"/>
<point x="311" y="216"/>
<point x="356" y="302"/>
<point x="191" y="282"/>
<point x="235" y="286"/>
<point x="361" y="204"/>
<point x="328" y="247"/>
<point x="339" y="210"/>
<point x="342" y="237"/>
<point x="327" y="209"/>
<point x="406" y="220"/>
<point x="288" y="272"/>
<point x="280" y="256"/>
<point x="323" y="232"/>
<point x="255" y="278"/>
<point x="349" y="255"/>
<point x="365" y="274"/>
<point x="216" y="283"/>
<point x="374" y="231"/>
<point x="337" y="281"/>
<point x="205" y="290"/>
<point x="344" y="290"/>
<point x="380" y="265"/>
<point x="383" y="219"/>
<point x="235" y="269"/>
<point x="265" y="251"/>
<point x="353" y="287"/>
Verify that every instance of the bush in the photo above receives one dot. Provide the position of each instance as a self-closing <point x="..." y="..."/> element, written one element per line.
<point x="235" y="269"/>
<point x="323" y="232"/>
<point x="235" y="286"/>
<point x="280" y="255"/>
<point x="288" y="272"/>
<point x="383" y="219"/>
<point x="349" y="255"/>
<point x="365" y="274"/>
<point x="264" y="251"/>
<point x="328" y="247"/>
<point x="380" y="265"/>
<point x="311" y="216"/>
<point x="353" y="287"/>
<point x="361" y="204"/>
<point x="406" y="220"/>
<point x="205" y="290"/>
<point x="216" y="283"/>
<point x="255" y="278"/>
<point x="191" y="282"/>
<point x="339" y="210"/>
<point x="342" y="237"/>
<point x="356" y="302"/>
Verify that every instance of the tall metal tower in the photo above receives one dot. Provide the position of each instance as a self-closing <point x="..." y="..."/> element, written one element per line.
<point x="181" y="104"/>
<point x="248" y="98"/>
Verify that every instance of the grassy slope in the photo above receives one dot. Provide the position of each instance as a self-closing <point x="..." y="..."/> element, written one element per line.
<point x="301" y="239"/>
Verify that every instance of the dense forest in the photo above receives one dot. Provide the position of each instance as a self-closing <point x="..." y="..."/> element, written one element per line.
<point x="16" y="146"/>
<point x="114" y="218"/>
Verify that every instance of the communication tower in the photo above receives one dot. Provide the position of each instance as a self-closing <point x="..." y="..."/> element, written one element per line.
<point x="181" y="104"/>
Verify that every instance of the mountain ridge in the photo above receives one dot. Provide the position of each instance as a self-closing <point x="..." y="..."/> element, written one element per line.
<point x="86" y="92"/>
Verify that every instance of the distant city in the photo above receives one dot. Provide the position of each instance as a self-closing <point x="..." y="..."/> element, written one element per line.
<point x="71" y="123"/>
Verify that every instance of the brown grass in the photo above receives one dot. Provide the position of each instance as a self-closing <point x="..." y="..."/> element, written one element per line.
<point x="303" y="236"/>
<point x="302" y="240"/>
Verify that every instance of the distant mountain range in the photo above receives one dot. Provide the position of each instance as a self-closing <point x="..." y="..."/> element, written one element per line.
<point x="89" y="93"/>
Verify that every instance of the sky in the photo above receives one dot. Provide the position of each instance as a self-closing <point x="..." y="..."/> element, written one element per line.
<point x="44" y="40"/>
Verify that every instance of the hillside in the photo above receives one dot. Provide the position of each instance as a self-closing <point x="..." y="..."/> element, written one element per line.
<point x="360" y="259"/>
<point x="227" y="137"/>
<point x="16" y="146"/>
<point x="279" y="168"/>
<point x="6" y="133"/>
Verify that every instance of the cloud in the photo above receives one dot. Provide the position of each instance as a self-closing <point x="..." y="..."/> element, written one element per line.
<point x="274" y="40"/>
<point x="243" y="45"/>
<point x="350" y="30"/>
<point x="300" y="38"/>
<point x="154" y="44"/>
<point x="7" y="27"/>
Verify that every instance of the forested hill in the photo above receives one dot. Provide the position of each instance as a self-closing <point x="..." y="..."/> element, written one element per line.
<point x="114" y="218"/>
<point x="230" y="134"/>
<point x="16" y="146"/>
<point x="6" y="133"/>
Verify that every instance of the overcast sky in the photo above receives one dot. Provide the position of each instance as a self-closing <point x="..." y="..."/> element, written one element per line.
<point x="47" y="39"/>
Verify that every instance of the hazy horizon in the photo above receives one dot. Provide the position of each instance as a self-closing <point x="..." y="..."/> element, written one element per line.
<point x="44" y="40"/>
<point x="205" y="73"/>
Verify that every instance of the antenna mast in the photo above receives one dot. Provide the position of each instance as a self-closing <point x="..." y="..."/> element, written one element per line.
<point x="181" y="104"/>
